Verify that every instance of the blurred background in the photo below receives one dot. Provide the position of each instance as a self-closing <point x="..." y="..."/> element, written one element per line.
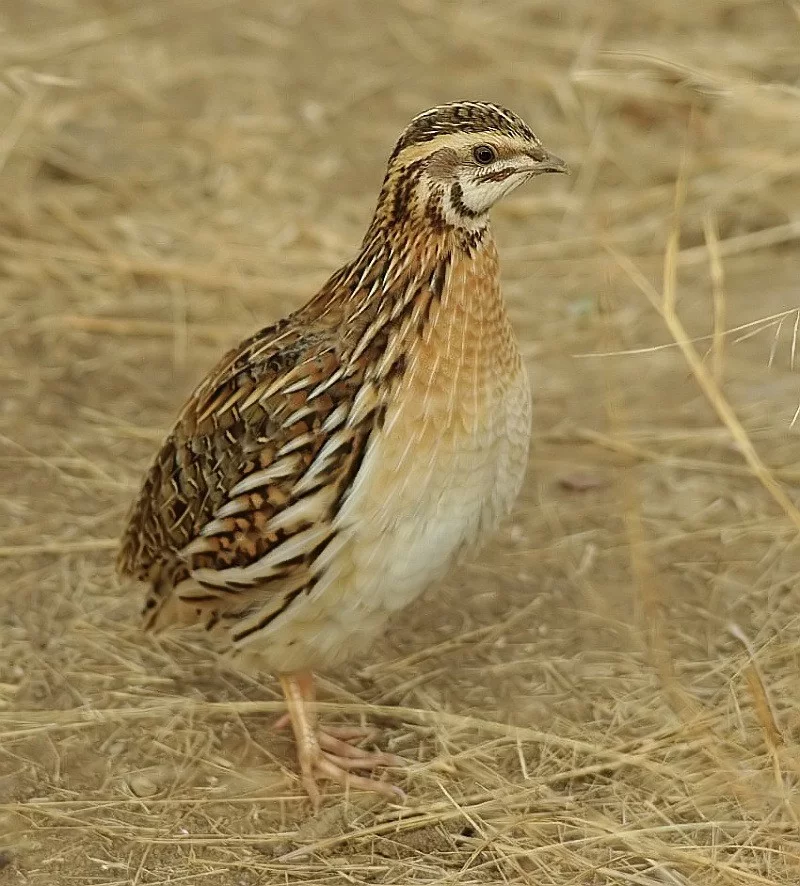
<point x="610" y="694"/>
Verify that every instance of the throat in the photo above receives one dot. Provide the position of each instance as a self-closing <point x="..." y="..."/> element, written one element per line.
<point x="460" y="209"/>
<point x="449" y="214"/>
<point x="437" y="218"/>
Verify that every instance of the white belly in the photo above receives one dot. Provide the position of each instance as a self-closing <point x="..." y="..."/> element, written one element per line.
<point x="444" y="500"/>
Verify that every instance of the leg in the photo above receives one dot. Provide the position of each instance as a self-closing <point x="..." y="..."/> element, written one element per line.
<point x="325" y="753"/>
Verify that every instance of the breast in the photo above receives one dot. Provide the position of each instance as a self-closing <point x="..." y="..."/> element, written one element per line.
<point x="451" y="458"/>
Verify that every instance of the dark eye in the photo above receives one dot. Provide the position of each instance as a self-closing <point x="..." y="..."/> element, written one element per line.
<point x="484" y="154"/>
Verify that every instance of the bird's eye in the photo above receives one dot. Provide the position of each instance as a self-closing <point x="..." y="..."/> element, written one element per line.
<point x="484" y="154"/>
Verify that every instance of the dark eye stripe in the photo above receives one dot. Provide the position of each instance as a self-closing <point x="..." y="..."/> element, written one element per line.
<point x="497" y="175"/>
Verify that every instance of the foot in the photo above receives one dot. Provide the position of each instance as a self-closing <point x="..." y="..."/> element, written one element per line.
<point x="327" y="753"/>
<point x="328" y="757"/>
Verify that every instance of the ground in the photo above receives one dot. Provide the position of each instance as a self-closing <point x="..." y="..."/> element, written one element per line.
<point x="609" y="693"/>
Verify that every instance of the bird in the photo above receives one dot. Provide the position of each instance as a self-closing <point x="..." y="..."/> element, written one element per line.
<point x="339" y="462"/>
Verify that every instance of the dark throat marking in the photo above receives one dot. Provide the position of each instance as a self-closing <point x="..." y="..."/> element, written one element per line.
<point x="457" y="201"/>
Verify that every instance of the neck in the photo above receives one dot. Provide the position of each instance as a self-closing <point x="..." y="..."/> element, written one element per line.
<point x="411" y="209"/>
<point x="400" y="271"/>
<point x="399" y="259"/>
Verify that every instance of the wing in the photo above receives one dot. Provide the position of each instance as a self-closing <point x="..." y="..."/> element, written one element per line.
<point x="242" y="496"/>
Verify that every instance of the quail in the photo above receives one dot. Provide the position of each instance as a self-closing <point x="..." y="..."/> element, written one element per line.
<point x="334" y="465"/>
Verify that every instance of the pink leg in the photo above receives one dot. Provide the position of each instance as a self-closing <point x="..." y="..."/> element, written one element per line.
<point x="326" y="753"/>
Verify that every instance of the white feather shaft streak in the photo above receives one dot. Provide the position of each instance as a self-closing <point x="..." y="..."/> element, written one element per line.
<point x="296" y="546"/>
<point x="284" y="467"/>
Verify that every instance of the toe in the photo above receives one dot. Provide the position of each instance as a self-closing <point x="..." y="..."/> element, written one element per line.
<point x="360" y="759"/>
<point x="352" y="733"/>
<point x="329" y="767"/>
<point x="282" y="722"/>
<point x="310" y="787"/>
<point x="352" y="763"/>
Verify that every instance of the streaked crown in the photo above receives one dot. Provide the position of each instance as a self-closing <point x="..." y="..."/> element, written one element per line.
<point x="463" y="117"/>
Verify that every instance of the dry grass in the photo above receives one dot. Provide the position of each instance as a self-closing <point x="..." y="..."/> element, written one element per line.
<point x="611" y="694"/>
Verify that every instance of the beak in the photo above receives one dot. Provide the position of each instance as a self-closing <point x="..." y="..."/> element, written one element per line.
<point x="544" y="161"/>
<point x="552" y="163"/>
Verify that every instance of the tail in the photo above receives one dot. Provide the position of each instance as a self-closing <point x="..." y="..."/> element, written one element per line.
<point x="176" y="600"/>
<point x="158" y="612"/>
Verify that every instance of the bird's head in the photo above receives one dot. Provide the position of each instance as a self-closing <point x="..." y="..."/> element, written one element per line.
<point x="454" y="162"/>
